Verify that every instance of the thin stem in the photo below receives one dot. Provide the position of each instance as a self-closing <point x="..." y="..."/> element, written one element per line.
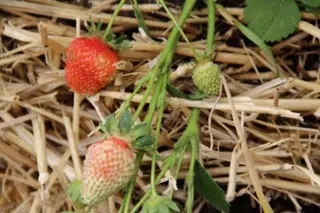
<point x="211" y="28"/>
<point x="178" y="166"/>
<point x="192" y="126"/>
<point x="146" y="95"/>
<point x="164" y="169"/>
<point x="166" y="55"/>
<point x="174" y="36"/>
<point x="178" y="26"/>
<point x="113" y="17"/>
<point x="194" y="142"/>
<point x="163" y="83"/>
<point x="126" y="203"/>
<point x="190" y="177"/>
<point x="136" y="90"/>
<point x="153" y="104"/>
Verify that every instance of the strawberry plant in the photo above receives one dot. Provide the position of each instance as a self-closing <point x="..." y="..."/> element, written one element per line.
<point x="136" y="138"/>
<point x="120" y="170"/>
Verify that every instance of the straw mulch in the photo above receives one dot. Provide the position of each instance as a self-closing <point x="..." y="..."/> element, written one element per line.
<point x="41" y="125"/>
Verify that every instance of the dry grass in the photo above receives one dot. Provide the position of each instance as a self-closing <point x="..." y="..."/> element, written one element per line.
<point x="45" y="128"/>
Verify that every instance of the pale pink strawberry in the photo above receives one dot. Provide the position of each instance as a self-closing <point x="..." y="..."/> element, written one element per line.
<point x="108" y="167"/>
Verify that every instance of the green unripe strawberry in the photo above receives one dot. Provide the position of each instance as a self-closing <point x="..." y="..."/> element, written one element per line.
<point x="206" y="77"/>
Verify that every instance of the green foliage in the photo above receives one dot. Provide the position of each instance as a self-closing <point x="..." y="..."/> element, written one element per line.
<point x="138" y="15"/>
<point x="315" y="10"/>
<point x="109" y="125"/>
<point x="175" y="92"/>
<point x="74" y="192"/>
<point x="125" y="121"/>
<point x="117" y="43"/>
<point x="145" y="142"/>
<point x="139" y="135"/>
<point x="272" y="20"/>
<point x="209" y="189"/>
<point x="140" y="130"/>
<point x="311" y="3"/>
<point x="159" y="204"/>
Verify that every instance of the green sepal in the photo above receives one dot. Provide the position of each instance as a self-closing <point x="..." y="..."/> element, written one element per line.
<point x="175" y="92"/>
<point x="139" y="16"/>
<point x="93" y="28"/>
<point x="117" y="43"/>
<point x="139" y="130"/>
<point x="74" y="192"/>
<point x="125" y="122"/>
<point x="109" y="126"/>
<point x="144" y="142"/>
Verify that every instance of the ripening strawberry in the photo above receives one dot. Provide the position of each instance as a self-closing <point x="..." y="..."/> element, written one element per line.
<point x="90" y="65"/>
<point x="108" y="167"/>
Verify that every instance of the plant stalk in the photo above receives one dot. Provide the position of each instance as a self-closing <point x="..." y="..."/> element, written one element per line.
<point x="126" y="202"/>
<point x="211" y="29"/>
<point x="113" y="17"/>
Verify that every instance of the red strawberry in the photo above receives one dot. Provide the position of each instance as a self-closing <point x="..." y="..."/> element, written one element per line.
<point x="108" y="167"/>
<point x="90" y="65"/>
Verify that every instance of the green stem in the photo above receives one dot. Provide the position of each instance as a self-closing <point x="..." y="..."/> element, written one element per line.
<point x="166" y="55"/>
<point x="194" y="142"/>
<point x="211" y="28"/>
<point x="146" y="95"/>
<point x="162" y="95"/>
<point x="113" y="17"/>
<point x="164" y="169"/>
<point x="190" y="181"/>
<point x="177" y="25"/>
<point x="126" y="203"/>
<point x="174" y="36"/>
<point x="153" y="104"/>
<point x="182" y="144"/>
<point x="178" y="166"/>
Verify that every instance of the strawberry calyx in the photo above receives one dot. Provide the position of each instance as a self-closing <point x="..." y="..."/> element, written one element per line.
<point x="110" y="38"/>
<point x="121" y="126"/>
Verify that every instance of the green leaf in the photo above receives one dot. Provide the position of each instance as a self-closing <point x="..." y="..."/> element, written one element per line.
<point x="209" y="189"/>
<point x="253" y="37"/>
<point x="173" y="206"/>
<point x="117" y="43"/>
<point x="272" y="20"/>
<point x="145" y="142"/>
<point x="109" y="37"/>
<point x="177" y="93"/>
<point x="139" y="130"/>
<point x="159" y="204"/>
<point x="125" y="121"/>
<point x="109" y="125"/>
<point x="74" y="192"/>
<point x="311" y="3"/>
<point x="314" y="10"/>
<point x="138" y="15"/>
